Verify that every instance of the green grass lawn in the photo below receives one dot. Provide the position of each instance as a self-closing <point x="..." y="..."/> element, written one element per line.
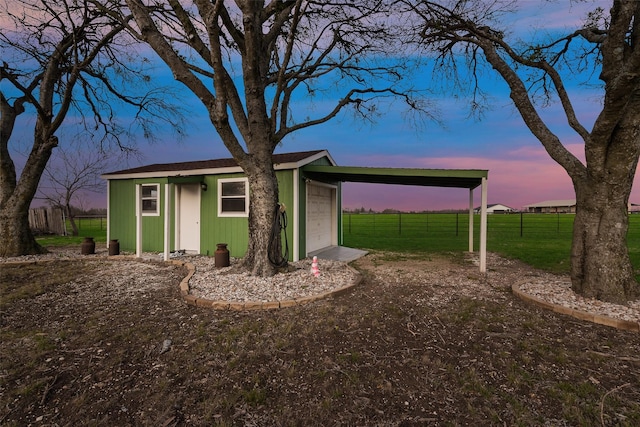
<point x="87" y="227"/>
<point x="541" y="240"/>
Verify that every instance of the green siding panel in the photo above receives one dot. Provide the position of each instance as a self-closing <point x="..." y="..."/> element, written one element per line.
<point x="302" y="223"/>
<point x="285" y="191"/>
<point x="153" y="226"/>
<point x="235" y="231"/>
<point x="122" y="215"/>
<point x="152" y="233"/>
<point x="323" y="161"/>
<point x="214" y="230"/>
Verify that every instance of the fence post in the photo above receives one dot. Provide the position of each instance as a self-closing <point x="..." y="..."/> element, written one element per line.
<point x="400" y="223"/>
<point x="457" y="214"/>
<point x="521" y="216"/>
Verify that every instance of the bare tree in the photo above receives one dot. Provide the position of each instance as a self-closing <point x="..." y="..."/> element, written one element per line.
<point x="250" y="62"/>
<point x="71" y="173"/>
<point x="610" y="47"/>
<point x="61" y="57"/>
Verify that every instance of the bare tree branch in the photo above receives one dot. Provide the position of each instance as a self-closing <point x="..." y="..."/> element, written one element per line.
<point x="600" y="265"/>
<point x="58" y="58"/>
<point x="250" y="62"/>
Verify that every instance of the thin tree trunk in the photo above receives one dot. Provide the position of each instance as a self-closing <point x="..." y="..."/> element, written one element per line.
<point x="600" y="264"/>
<point x="72" y="220"/>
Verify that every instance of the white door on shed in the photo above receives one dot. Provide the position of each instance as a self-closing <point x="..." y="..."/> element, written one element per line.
<point x="319" y="217"/>
<point x="188" y="233"/>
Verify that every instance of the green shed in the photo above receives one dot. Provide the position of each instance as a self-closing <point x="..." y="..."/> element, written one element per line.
<point x="193" y="206"/>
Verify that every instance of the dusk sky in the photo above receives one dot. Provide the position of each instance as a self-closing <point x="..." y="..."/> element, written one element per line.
<point x="520" y="171"/>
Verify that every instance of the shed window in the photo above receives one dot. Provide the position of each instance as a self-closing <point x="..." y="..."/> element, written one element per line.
<point x="233" y="197"/>
<point x="149" y="197"/>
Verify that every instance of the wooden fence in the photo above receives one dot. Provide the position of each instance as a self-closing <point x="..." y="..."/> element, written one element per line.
<point x="47" y="221"/>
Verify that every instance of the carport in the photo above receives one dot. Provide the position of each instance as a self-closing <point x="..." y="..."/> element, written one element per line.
<point x="452" y="178"/>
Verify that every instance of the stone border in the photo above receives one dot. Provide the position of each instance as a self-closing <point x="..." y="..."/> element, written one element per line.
<point x="253" y="305"/>
<point x="625" y="325"/>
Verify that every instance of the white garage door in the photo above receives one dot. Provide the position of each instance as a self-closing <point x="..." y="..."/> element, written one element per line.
<point x="319" y="202"/>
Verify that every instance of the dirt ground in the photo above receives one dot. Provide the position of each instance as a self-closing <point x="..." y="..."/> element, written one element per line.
<point x="420" y="341"/>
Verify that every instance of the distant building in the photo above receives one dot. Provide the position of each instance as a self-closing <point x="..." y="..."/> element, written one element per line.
<point x="496" y="208"/>
<point x="566" y="206"/>
<point x="553" y="206"/>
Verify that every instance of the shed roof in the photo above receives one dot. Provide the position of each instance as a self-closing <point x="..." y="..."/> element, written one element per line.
<point x="285" y="160"/>
<point x="457" y="178"/>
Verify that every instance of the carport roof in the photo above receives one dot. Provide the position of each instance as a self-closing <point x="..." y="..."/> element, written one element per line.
<point x="457" y="178"/>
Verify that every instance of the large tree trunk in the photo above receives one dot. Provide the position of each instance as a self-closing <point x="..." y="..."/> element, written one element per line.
<point x="15" y="233"/>
<point x="601" y="267"/>
<point x="16" y="238"/>
<point x="600" y="264"/>
<point x="263" y="186"/>
<point x="15" y="197"/>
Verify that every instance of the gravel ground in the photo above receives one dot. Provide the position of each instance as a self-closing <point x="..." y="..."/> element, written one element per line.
<point x="230" y="284"/>
<point x="559" y="292"/>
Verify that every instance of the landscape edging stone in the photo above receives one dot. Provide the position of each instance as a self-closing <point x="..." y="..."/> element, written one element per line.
<point x="599" y="319"/>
